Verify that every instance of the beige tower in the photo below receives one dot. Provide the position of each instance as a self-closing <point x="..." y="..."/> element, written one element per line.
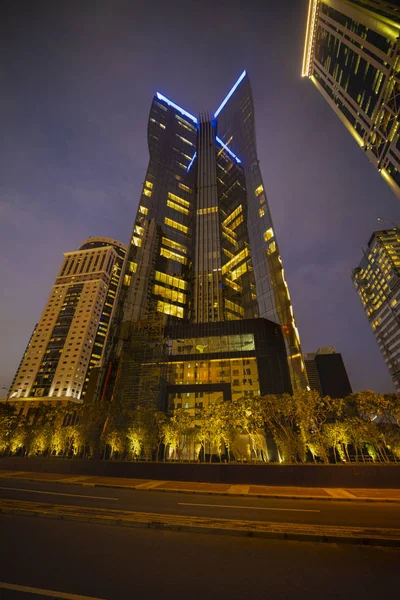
<point x="69" y="339"/>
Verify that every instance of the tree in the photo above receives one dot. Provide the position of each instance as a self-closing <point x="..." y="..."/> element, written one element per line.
<point x="312" y="412"/>
<point x="280" y="414"/>
<point x="8" y="424"/>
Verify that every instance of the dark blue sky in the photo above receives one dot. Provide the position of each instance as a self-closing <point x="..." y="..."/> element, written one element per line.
<point x="77" y="79"/>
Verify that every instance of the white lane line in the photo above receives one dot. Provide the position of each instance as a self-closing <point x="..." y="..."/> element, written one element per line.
<point x="31" y="590"/>
<point x="55" y="493"/>
<point x="250" y="507"/>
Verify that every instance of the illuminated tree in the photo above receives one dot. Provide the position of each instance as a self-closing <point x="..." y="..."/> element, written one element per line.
<point x="312" y="413"/>
<point x="281" y="417"/>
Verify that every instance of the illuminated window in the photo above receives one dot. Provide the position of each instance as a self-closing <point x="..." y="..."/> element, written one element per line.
<point x="259" y="190"/>
<point x="234" y="307"/>
<point x="208" y="210"/>
<point x="237" y="222"/>
<point x="185" y="124"/>
<point x="170" y="309"/>
<point x="227" y="253"/>
<point x="230" y="238"/>
<point x="177" y="207"/>
<point x="234" y="214"/>
<point x="172" y="281"/>
<point x="261" y="212"/>
<point x="184" y="140"/>
<point x="136" y="241"/>
<point x="127" y="279"/>
<point x="178" y="199"/>
<point x="235" y="286"/>
<point x="144" y="210"/>
<point x="271" y="248"/>
<point x="176" y="225"/>
<point x="268" y="234"/>
<point x="236" y="260"/>
<point x="173" y="295"/>
<point x="393" y="302"/>
<point x="148" y="184"/>
<point x="184" y="187"/>
<point x="173" y="256"/>
<point x="147" y="192"/>
<point x="175" y="245"/>
<point x="239" y="271"/>
<point x="139" y="230"/>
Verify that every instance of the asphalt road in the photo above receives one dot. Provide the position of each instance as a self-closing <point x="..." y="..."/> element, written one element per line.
<point x="114" y="562"/>
<point x="319" y="512"/>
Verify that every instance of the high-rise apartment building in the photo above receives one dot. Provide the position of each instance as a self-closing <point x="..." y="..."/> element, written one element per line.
<point x="377" y="281"/>
<point x="327" y="373"/>
<point x="204" y="250"/>
<point x="71" y="334"/>
<point x="351" y="54"/>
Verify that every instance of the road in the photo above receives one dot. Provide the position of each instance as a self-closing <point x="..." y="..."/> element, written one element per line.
<point x="318" y="512"/>
<point x="114" y="562"/>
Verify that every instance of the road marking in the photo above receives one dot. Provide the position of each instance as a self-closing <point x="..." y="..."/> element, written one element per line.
<point x="250" y="507"/>
<point x="338" y="493"/>
<point x="239" y="489"/>
<point x="55" y="493"/>
<point x="40" y="592"/>
<point x="149" y="485"/>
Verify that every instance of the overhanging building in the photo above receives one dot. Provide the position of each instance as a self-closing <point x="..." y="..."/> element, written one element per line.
<point x="351" y="54"/>
<point x="377" y="281"/>
<point x="203" y="248"/>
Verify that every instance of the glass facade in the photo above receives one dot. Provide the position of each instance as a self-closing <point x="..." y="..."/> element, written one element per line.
<point x="203" y="246"/>
<point x="351" y="55"/>
<point x="212" y="361"/>
<point x="377" y="281"/>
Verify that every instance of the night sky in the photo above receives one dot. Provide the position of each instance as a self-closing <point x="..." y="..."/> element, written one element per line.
<point x="77" y="79"/>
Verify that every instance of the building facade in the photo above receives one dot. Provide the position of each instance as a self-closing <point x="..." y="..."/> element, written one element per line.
<point x="377" y="281"/>
<point x="70" y="337"/>
<point x="351" y="54"/>
<point x="326" y="373"/>
<point x="208" y="362"/>
<point x="203" y="248"/>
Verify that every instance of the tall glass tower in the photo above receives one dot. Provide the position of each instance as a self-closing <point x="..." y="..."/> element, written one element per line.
<point x="203" y="247"/>
<point x="377" y="281"/>
<point x="352" y="54"/>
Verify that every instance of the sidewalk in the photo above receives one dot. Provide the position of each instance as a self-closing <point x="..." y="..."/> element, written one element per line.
<point x="300" y="493"/>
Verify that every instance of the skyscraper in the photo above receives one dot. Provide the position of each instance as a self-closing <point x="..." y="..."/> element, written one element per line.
<point x="351" y="55"/>
<point x="204" y="249"/>
<point x="71" y="334"/>
<point x="327" y="373"/>
<point x="377" y="281"/>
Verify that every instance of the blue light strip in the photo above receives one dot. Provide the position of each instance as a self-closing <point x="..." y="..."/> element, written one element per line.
<point x="191" y="162"/>
<point x="225" y="147"/>
<point x="191" y="117"/>
<point x="221" y="106"/>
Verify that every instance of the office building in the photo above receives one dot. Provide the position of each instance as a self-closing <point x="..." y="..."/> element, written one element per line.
<point x="225" y="360"/>
<point x="327" y="373"/>
<point x="377" y="281"/>
<point x="203" y="249"/>
<point x="70" y="337"/>
<point x="351" y="55"/>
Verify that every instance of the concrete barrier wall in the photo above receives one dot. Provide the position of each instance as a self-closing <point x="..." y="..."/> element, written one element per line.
<point x="368" y="476"/>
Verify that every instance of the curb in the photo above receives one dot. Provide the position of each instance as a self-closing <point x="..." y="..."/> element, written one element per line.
<point x="257" y="529"/>
<point x="203" y="492"/>
<point x="233" y="495"/>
